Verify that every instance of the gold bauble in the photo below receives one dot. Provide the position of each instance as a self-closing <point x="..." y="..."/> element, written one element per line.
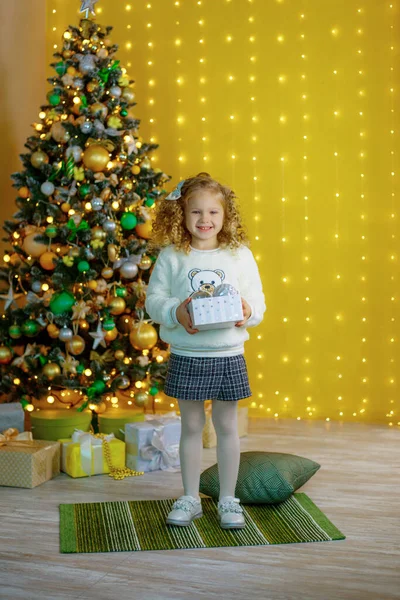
<point x="47" y="261"/>
<point x="91" y="86"/>
<point x="67" y="53"/>
<point x="126" y="185"/>
<point x="105" y="194"/>
<point x="128" y="95"/>
<point x="51" y="370"/>
<point x="141" y="399"/>
<point x="135" y="169"/>
<point x="117" y="305"/>
<point x="145" y="164"/>
<point x="32" y="247"/>
<point x="111" y="335"/>
<point x="124" y="323"/>
<point x="100" y="408"/>
<point x="74" y="252"/>
<point x="39" y="158"/>
<point x="107" y="273"/>
<point x="71" y="71"/>
<point x="119" y="355"/>
<point x="24" y="192"/>
<point x="76" y="345"/>
<point x="112" y="252"/>
<point x="5" y="355"/>
<point x="98" y="233"/>
<point x="145" y="263"/>
<point x="144" y="230"/>
<point x="96" y="158"/>
<point x="53" y="331"/>
<point x="98" y="106"/>
<point x="143" y="336"/>
<point x="92" y="284"/>
<point x="65" y="207"/>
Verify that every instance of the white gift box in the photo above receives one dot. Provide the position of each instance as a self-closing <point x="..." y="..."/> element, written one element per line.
<point x="216" y="312"/>
<point x="153" y="445"/>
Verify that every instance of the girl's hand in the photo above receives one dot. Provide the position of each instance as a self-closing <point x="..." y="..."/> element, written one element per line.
<point x="183" y="316"/>
<point x="246" y="313"/>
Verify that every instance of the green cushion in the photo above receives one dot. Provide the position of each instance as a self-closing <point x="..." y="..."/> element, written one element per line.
<point x="264" y="477"/>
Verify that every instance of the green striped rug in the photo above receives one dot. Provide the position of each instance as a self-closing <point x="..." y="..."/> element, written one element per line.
<point x="140" y="525"/>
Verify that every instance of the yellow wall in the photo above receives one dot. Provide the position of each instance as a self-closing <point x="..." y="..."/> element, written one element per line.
<point x="291" y="103"/>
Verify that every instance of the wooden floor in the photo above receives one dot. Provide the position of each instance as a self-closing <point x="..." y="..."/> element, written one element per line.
<point x="357" y="487"/>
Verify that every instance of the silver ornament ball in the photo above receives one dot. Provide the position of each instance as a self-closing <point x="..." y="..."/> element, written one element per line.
<point x="86" y="127"/>
<point x="47" y="188"/>
<point x="36" y="286"/>
<point x="65" y="334"/>
<point x="129" y="270"/>
<point x="109" y="226"/>
<point x="97" y="203"/>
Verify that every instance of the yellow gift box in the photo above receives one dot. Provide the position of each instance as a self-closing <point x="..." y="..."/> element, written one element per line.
<point x="83" y="455"/>
<point x="27" y="463"/>
<point x="209" y="433"/>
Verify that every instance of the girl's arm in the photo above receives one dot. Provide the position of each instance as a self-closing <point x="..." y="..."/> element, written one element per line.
<point x="251" y="288"/>
<point x="160" y="304"/>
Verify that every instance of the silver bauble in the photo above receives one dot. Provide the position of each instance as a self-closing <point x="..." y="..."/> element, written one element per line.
<point x="129" y="270"/>
<point x="97" y="203"/>
<point x="87" y="64"/>
<point x="65" y="334"/>
<point x="123" y="382"/>
<point x="86" y="127"/>
<point x="109" y="226"/>
<point x="36" y="286"/>
<point x="225" y="289"/>
<point x="47" y="188"/>
<point x="115" y="91"/>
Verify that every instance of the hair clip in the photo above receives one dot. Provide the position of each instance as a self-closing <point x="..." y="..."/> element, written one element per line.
<point x="176" y="193"/>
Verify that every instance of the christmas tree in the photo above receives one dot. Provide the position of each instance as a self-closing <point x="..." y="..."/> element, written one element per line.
<point x="76" y="272"/>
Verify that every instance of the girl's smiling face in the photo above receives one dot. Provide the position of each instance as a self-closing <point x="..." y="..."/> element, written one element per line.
<point x="204" y="217"/>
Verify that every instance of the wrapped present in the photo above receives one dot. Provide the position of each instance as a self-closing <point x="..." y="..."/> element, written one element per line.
<point x="54" y="424"/>
<point x="154" y="444"/>
<point x="85" y="454"/>
<point x="209" y="433"/>
<point x="218" y="311"/>
<point x="115" y="421"/>
<point x="25" y="462"/>
<point x="12" y="415"/>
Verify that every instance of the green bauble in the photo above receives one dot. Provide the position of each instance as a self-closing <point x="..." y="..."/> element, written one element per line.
<point x="53" y="98"/>
<point x="149" y="202"/>
<point x="128" y="221"/>
<point x="83" y="266"/>
<point x="122" y="292"/>
<point x="84" y="190"/>
<point x="30" y="328"/>
<point x="61" y="302"/>
<point x="153" y="391"/>
<point x="61" y="68"/>
<point x="99" y="386"/>
<point x="108" y="324"/>
<point x="15" y="332"/>
<point x="80" y="369"/>
<point x="123" y="112"/>
<point x="51" y="231"/>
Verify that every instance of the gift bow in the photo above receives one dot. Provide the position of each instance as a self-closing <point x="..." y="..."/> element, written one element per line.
<point x="104" y="73"/>
<point x="107" y="144"/>
<point x="161" y="456"/>
<point x="87" y="442"/>
<point x="11" y="437"/>
<point x="83" y="225"/>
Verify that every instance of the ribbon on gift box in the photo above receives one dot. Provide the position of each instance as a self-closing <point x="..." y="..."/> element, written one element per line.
<point x="11" y="437"/>
<point x="90" y="446"/>
<point x="161" y="456"/>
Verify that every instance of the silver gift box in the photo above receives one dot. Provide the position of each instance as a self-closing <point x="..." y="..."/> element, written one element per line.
<point x="216" y="312"/>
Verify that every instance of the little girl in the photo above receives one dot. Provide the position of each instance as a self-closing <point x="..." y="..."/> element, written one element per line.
<point x="203" y="245"/>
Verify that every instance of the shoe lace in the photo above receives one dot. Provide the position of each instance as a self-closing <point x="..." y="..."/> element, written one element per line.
<point x="230" y="505"/>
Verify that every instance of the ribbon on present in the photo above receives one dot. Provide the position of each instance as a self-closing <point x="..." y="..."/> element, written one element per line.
<point x="90" y="446"/>
<point x="159" y="454"/>
<point x="11" y="437"/>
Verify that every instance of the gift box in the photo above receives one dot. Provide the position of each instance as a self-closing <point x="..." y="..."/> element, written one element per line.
<point x="114" y="421"/>
<point x="209" y="433"/>
<point x="59" y="423"/>
<point x="154" y="444"/>
<point x="84" y="454"/>
<point x="217" y="312"/>
<point x="27" y="463"/>
<point x="12" y="416"/>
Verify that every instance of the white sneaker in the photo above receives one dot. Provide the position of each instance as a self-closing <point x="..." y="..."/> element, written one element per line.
<point x="184" y="510"/>
<point x="230" y="513"/>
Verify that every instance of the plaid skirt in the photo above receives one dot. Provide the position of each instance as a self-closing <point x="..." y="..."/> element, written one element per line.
<point x="207" y="378"/>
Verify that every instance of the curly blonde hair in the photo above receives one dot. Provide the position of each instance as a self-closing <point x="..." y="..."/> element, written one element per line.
<point x="169" y="223"/>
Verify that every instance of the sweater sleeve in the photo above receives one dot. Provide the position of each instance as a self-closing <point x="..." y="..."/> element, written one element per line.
<point x="159" y="304"/>
<point x="251" y="288"/>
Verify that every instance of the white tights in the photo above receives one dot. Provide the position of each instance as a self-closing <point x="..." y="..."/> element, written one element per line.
<point x="224" y="417"/>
